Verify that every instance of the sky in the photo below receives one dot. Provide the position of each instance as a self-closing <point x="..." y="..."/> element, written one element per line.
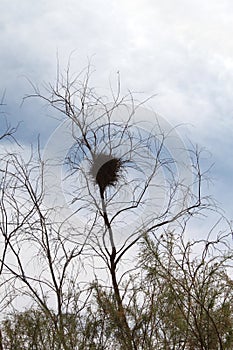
<point x="180" y="50"/>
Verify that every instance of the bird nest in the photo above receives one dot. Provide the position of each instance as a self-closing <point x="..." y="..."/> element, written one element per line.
<point x="106" y="171"/>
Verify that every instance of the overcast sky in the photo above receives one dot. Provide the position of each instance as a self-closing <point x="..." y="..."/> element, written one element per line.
<point x="182" y="50"/>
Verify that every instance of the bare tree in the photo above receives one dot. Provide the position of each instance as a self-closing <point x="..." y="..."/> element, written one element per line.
<point x="7" y="133"/>
<point x="39" y="261"/>
<point x="114" y="167"/>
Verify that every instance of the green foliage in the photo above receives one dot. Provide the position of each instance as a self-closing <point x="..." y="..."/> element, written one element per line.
<point x="31" y="329"/>
<point x="173" y="301"/>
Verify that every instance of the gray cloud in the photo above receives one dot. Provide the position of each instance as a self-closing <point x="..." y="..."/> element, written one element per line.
<point x="180" y="50"/>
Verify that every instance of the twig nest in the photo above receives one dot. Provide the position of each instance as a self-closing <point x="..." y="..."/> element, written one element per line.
<point x="106" y="171"/>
